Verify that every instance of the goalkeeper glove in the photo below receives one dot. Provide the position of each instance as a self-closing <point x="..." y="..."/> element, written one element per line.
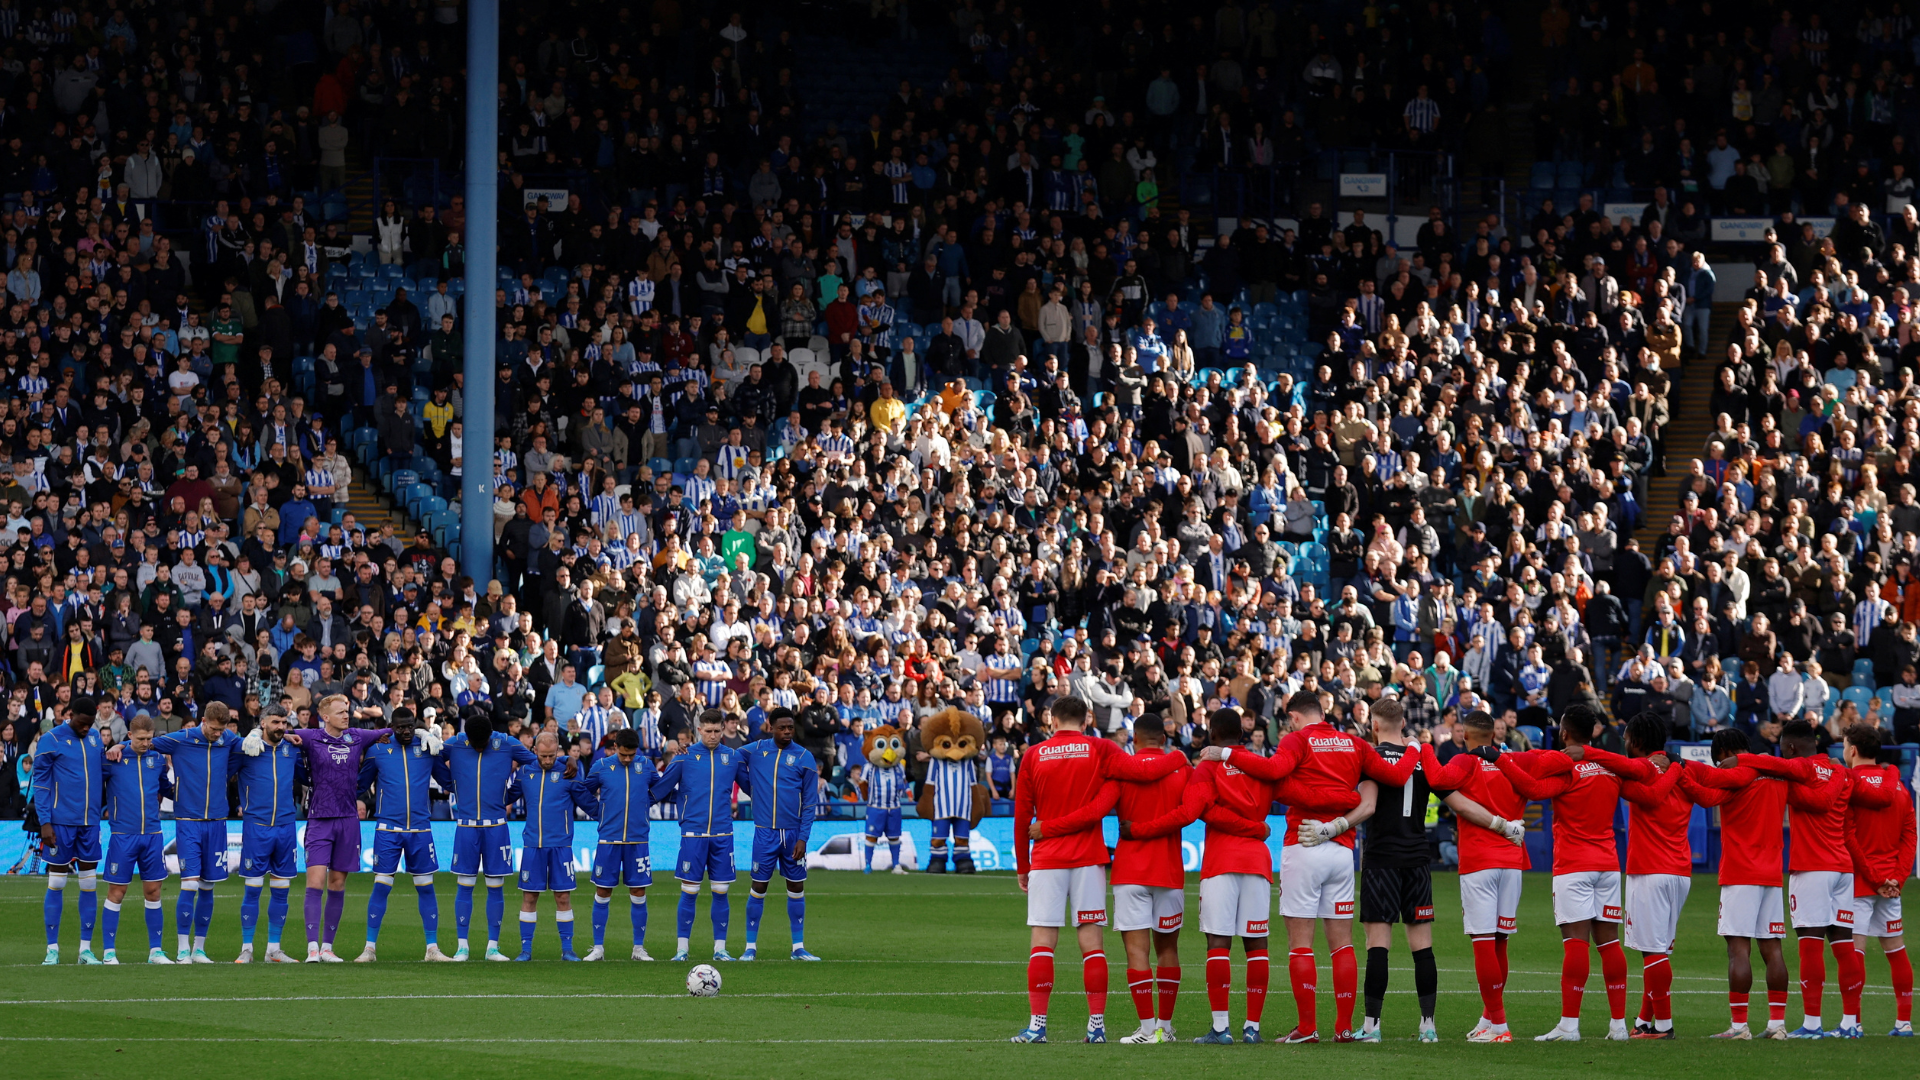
<point x="253" y="745"/>
<point x="1315" y="833"/>
<point x="429" y="739"/>
<point x="1514" y="831"/>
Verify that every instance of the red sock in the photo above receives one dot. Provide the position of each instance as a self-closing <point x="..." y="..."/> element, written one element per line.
<point x="1576" y="963"/>
<point x="1039" y="980"/>
<point x="1613" y="971"/>
<point x="1346" y="979"/>
<point x="1093" y="972"/>
<point x="1169" y="983"/>
<point x="1901" y="970"/>
<point x="1776" y="1006"/>
<point x="1301" y="971"/>
<point x="1657" y="976"/>
<point x="1813" y="974"/>
<point x="1500" y="950"/>
<point x="1219" y="978"/>
<point x="1140" y="987"/>
<point x="1737" y="1005"/>
<point x="1850" y="970"/>
<point x="1257" y="978"/>
<point x="1486" y="968"/>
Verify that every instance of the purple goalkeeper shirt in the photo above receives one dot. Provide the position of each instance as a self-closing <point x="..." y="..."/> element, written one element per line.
<point x="334" y="763"/>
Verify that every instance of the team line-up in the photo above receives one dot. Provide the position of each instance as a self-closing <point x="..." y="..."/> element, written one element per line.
<point x="1853" y="832"/>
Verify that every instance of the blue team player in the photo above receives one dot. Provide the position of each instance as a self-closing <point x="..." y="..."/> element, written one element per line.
<point x="66" y="797"/>
<point x="702" y="780"/>
<point x="549" y="791"/>
<point x="134" y="786"/>
<point x="395" y="779"/>
<point x="200" y="755"/>
<point x="622" y="782"/>
<point x="268" y="767"/>
<point x="482" y="763"/>
<point x="784" y="781"/>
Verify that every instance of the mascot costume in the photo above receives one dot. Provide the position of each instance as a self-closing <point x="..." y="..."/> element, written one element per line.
<point x="953" y="797"/>
<point x="882" y="788"/>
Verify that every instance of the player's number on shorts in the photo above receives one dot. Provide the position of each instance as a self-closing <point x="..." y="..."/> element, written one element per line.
<point x="642" y="866"/>
<point x="506" y="851"/>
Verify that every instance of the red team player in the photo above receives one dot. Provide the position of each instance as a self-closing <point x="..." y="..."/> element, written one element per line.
<point x="1881" y="843"/>
<point x="1586" y="868"/>
<point x="1752" y="806"/>
<point x="1820" y="873"/>
<point x="1491" y="860"/>
<point x="1149" y="876"/>
<point x="1317" y="860"/>
<point x="1067" y="875"/>
<point x="1659" y="862"/>
<point x="1236" y="872"/>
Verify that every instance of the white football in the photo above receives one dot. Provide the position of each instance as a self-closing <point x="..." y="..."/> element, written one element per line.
<point x="703" y="981"/>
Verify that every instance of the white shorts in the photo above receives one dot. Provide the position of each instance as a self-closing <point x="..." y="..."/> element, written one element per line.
<point x="1235" y="905"/>
<point x="1149" y="907"/>
<point x="1076" y="897"/>
<point x="1820" y="898"/>
<point x="1316" y="882"/>
<point x="1876" y="916"/>
<point x="1751" y="911"/>
<point x="1490" y="901"/>
<point x="1653" y="910"/>
<point x="1587" y="894"/>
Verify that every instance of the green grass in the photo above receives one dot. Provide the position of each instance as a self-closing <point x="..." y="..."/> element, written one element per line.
<point x="924" y="978"/>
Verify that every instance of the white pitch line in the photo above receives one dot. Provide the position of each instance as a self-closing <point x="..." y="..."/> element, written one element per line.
<point x="350" y="1039"/>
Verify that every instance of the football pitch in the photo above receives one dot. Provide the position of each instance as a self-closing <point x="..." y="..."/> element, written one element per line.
<point x="924" y="977"/>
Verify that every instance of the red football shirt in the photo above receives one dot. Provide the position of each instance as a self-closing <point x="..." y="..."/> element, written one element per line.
<point x="1586" y="796"/>
<point x="1658" y="814"/>
<point x="1753" y="807"/>
<point x="1325" y="767"/>
<point x="1153" y="861"/>
<point x="1484" y="783"/>
<point x="1817" y="809"/>
<point x="1064" y="774"/>
<point x="1880" y="839"/>
<point x="1232" y="847"/>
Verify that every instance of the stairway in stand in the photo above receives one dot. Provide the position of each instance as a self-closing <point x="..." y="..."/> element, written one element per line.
<point x="371" y="507"/>
<point x="1688" y="425"/>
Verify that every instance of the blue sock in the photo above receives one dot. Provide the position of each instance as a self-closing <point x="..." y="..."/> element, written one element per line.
<point x="203" y="911"/>
<point x="683" y="925"/>
<point x="722" y="910"/>
<point x="377" y="909"/>
<point x="756" y="903"/>
<point x="638" y="907"/>
<point x="872" y="843"/>
<point x="564" y="921"/>
<point x="797" y="917"/>
<point x="110" y="926"/>
<point x="89" y="904"/>
<point x="429" y="912"/>
<point x="462" y="910"/>
<point x="183" y="912"/>
<point x="249" y="913"/>
<point x="156" y="923"/>
<point x="527" y="926"/>
<point x="893" y="845"/>
<point x="53" y="906"/>
<point x="496" y="910"/>
<point x="276" y="914"/>
<point x="600" y="905"/>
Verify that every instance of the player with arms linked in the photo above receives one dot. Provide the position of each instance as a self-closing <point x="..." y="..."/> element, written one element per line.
<point x="621" y="782"/>
<point x="785" y="782"/>
<point x="135" y="783"/>
<point x="482" y="762"/>
<point x="268" y="765"/>
<point x="701" y="780"/>
<point x="396" y="778"/>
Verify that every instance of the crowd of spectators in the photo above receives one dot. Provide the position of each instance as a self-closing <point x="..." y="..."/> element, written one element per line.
<point x="954" y="406"/>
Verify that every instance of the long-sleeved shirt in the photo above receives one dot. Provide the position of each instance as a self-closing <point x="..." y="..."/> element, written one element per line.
<point x="625" y="795"/>
<point x="703" y="781"/>
<point x="785" y="783"/>
<point x="481" y="777"/>
<point x="199" y="771"/>
<point x="67" y="778"/>
<point x="134" y="786"/>
<point x="334" y="763"/>
<point x="550" y="799"/>
<point x="1786" y="694"/>
<point x="267" y="781"/>
<point x="400" y="780"/>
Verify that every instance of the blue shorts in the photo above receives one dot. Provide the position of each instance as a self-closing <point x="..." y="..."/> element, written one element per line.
<point x="73" y="843"/>
<point x="773" y="848"/>
<point x="389" y="845"/>
<point x="546" y="869"/>
<point x="883" y="822"/>
<point x="128" y="853"/>
<point x="482" y="851"/>
<point x="270" y="850"/>
<point x="709" y="857"/>
<point x="202" y="847"/>
<point x="620" y="864"/>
